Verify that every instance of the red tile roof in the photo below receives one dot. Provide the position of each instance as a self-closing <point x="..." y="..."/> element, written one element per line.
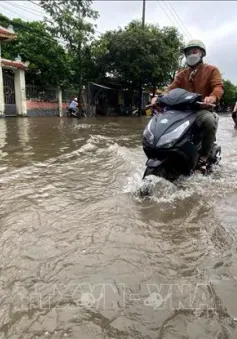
<point x="11" y="63"/>
<point x="6" y="34"/>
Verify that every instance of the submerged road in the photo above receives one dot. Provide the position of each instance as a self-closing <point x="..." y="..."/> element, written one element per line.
<point x="83" y="256"/>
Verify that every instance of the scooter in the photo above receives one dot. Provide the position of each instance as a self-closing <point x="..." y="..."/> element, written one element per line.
<point x="171" y="140"/>
<point x="78" y="113"/>
<point x="72" y="113"/>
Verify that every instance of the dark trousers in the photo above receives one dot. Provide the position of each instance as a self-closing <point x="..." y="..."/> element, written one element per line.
<point x="234" y="116"/>
<point x="206" y="122"/>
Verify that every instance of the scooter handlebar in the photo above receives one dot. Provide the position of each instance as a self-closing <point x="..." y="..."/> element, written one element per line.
<point x="203" y="103"/>
<point x="149" y="106"/>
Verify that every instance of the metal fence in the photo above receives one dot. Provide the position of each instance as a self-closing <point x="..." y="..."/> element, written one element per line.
<point x="49" y="94"/>
<point x="35" y="93"/>
<point x="69" y="93"/>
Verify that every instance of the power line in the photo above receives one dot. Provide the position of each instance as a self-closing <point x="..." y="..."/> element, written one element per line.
<point x="50" y="16"/>
<point x="24" y="9"/>
<point x="34" y="3"/>
<point x="184" y="29"/>
<point x="23" y="27"/>
<point x="11" y="11"/>
<point x="35" y="32"/>
<point x="174" y="21"/>
<point x="35" y="12"/>
<point x="60" y="40"/>
<point x="143" y="20"/>
<point x="178" y="18"/>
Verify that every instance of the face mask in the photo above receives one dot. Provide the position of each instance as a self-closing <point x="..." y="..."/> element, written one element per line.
<point x="193" y="59"/>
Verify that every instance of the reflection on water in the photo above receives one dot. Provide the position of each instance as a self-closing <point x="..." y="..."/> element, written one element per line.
<point x="84" y="256"/>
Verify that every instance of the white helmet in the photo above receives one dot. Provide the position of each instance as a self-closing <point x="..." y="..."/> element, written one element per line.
<point x="195" y="43"/>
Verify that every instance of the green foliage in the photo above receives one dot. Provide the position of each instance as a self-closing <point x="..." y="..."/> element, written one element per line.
<point x="135" y="55"/>
<point x="48" y="60"/>
<point x="70" y="22"/>
<point x="230" y="94"/>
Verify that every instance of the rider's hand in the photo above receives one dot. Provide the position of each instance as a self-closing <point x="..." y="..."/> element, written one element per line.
<point x="210" y="100"/>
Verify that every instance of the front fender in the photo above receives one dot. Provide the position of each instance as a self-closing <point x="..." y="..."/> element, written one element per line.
<point x="154" y="163"/>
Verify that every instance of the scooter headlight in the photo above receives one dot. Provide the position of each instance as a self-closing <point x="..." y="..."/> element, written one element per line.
<point x="167" y="140"/>
<point x="148" y="135"/>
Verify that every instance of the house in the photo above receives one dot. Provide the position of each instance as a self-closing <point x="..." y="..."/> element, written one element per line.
<point x="12" y="80"/>
<point x="110" y="98"/>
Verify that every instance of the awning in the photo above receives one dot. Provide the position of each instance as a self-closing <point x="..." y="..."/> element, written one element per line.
<point x="98" y="85"/>
<point x="6" y="34"/>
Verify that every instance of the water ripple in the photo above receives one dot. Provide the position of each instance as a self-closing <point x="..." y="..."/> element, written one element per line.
<point x="83" y="255"/>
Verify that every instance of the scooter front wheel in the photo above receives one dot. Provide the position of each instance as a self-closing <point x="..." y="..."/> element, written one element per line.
<point x="158" y="172"/>
<point x="148" y="171"/>
<point x="161" y="172"/>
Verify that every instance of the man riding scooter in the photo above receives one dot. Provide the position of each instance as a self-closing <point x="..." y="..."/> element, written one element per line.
<point x="206" y="80"/>
<point x="72" y="110"/>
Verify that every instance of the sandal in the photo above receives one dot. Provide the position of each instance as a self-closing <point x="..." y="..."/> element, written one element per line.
<point x="202" y="166"/>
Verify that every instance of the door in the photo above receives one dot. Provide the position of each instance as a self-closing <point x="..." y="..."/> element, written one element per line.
<point x="9" y="92"/>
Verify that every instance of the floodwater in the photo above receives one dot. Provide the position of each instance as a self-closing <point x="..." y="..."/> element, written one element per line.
<point x="83" y="256"/>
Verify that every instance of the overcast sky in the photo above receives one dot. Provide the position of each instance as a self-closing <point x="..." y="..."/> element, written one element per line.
<point x="214" y="22"/>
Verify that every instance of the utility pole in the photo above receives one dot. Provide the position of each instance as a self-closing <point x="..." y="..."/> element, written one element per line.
<point x="143" y="13"/>
<point x="140" y="90"/>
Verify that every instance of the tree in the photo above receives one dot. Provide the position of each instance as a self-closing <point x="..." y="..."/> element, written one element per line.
<point x="70" y="22"/>
<point x="48" y="60"/>
<point x="230" y="95"/>
<point x="135" y="55"/>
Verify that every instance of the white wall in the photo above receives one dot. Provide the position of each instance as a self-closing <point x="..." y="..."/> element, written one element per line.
<point x="20" y="92"/>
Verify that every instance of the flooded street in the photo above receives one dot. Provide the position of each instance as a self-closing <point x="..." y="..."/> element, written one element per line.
<point x="83" y="256"/>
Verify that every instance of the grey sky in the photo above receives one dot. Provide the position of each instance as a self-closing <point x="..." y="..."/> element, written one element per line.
<point x="212" y="21"/>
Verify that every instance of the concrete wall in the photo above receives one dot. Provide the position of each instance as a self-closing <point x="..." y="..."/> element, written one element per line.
<point x="43" y="109"/>
<point x="20" y="92"/>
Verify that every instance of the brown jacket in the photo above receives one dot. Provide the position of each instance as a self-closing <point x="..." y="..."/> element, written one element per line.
<point x="207" y="81"/>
